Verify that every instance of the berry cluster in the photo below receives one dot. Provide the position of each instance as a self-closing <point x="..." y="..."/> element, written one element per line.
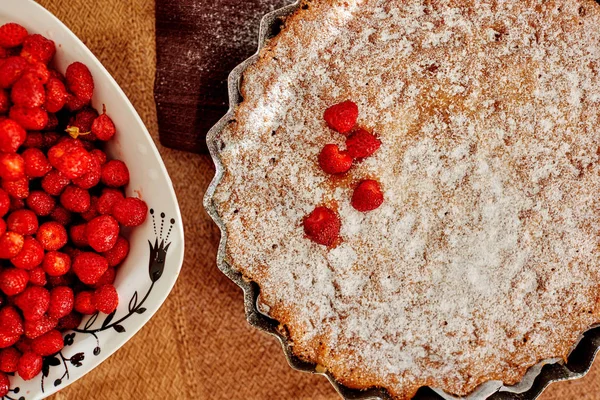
<point x="322" y="225"/>
<point x="62" y="204"/>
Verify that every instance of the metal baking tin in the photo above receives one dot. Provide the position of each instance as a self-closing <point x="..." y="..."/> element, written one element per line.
<point x="535" y="381"/>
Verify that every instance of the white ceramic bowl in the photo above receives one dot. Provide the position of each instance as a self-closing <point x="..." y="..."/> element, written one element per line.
<point x="149" y="273"/>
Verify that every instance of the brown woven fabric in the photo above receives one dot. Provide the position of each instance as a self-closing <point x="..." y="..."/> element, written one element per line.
<point x="198" y="346"/>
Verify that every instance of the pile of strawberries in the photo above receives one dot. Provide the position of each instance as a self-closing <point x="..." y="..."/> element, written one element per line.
<point x="62" y="204"/>
<point x="323" y="224"/>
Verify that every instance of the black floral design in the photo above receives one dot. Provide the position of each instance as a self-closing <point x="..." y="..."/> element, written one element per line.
<point x="156" y="266"/>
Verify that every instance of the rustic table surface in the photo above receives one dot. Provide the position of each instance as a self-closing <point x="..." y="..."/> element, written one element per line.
<point x="198" y="346"/>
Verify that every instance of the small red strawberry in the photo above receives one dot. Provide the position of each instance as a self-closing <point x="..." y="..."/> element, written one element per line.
<point x="48" y="344"/>
<point x="56" y="263"/>
<point x="34" y="329"/>
<point x="4" y="385"/>
<point x="56" y="95"/>
<point x="84" y="303"/>
<point x="33" y="119"/>
<point x="37" y="48"/>
<point x="102" y="233"/>
<point x="80" y="81"/>
<point x="89" y="267"/>
<point x="11" y="326"/>
<point x="130" y="211"/>
<point x="103" y="127"/>
<point x="29" y="257"/>
<point x="10" y="70"/>
<point x="334" y="161"/>
<point x="9" y="359"/>
<point x="62" y="301"/>
<point x="106" y="299"/>
<point x="342" y="117"/>
<point x="36" y="163"/>
<point x="367" y="196"/>
<point x="13" y="281"/>
<point x="30" y="364"/>
<point x="12" y="136"/>
<point x="40" y="202"/>
<point x="361" y="144"/>
<point x="52" y="235"/>
<point x="33" y="302"/>
<point x="322" y="226"/>
<point x="11" y="244"/>
<point x="28" y="92"/>
<point x="38" y="277"/>
<point x="118" y="253"/>
<point x="12" y="35"/>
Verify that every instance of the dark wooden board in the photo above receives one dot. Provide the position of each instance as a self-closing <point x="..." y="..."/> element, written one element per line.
<point x="198" y="42"/>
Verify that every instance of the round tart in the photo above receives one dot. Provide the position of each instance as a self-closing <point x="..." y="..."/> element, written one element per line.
<point x="480" y="257"/>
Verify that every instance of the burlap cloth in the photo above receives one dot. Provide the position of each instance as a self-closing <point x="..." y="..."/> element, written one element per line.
<point x="198" y="346"/>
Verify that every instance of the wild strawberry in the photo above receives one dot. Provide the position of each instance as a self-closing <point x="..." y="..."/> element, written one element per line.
<point x="30" y="256"/>
<point x="75" y="199"/>
<point x="11" y="243"/>
<point x="39" y="71"/>
<point x="361" y="144"/>
<point x="322" y="226"/>
<point x="33" y="302"/>
<point x="48" y="344"/>
<point x="61" y="215"/>
<point x="89" y="267"/>
<point x="84" y="303"/>
<point x="115" y="174"/>
<point x="106" y="299"/>
<point x="30" y="365"/>
<point x="341" y="117"/>
<point x="70" y="158"/>
<point x="52" y="123"/>
<point x="78" y="235"/>
<point x="24" y="222"/>
<point x="107" y="278"/>
<point x="81" y="124"/>
<point x="36" y="163"/>
<point x="367" y="196"/>
<point x="99" y="155"/>
<point x="33" y="119"/>
<point x="37" y="48"/>
<point x="12" y="35"/>
<point x="11" y="326"/>
<point x="56" y="263"/>
<point x="69" y="322"/>
<point x="10" y="70"/>
<point x="103" y="127"/>
<point x="107" y="200"/>
<point x="51" y="235"/>
<point x="4" y="203"/>
<point x="92" y="177"/>
<point x="37" y="277"/>
<point x="28" y="92"/>
<point x="12" y="136"/>
<point x="4" y="385"/>
<point x="18" y="189"/>
<point x="4" y="101"/>
<point x="56" y="95"/>
<point x="62" y="301"/>
<point x="91" y="212"/>
<point x="334" y="161"/>
<point x="130" y="211"/>
<point x="41" y="203"/>
<point x="118" y="253"/>
<point x="80" y="81"/>
<point x="34" y="140"/>
<point x="55" y="182"/>
<point x="12" y="166"/>
<point x="13" y="281"/>
<point x="9" y="359"/>
<point x="102" y="233"/>
<point x="34" y="329"/>
<point x="74" y="103"/>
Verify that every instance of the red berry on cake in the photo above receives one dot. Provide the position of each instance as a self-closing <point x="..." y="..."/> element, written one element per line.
<point x="342" y="117"/>
<point x="333" y="161"/>
<point x="367" y="196"/>
<point x="361" y="144"/>
<point x="322" y="226"/>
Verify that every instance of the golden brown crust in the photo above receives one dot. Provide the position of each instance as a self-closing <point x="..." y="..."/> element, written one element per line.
<point x="546" y="168"/>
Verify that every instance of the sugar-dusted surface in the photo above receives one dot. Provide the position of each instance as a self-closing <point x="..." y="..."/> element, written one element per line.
<point x="483" y="258"/>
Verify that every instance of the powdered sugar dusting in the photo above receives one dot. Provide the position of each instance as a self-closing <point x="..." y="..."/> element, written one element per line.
<point x="483" y="258"/>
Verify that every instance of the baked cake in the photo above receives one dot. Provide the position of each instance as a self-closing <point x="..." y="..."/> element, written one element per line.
<point x="483" y="257"/>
